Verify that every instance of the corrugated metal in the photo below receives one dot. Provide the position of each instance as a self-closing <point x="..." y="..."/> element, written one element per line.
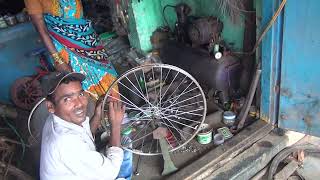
<point x="300" y="68"/>
<point x="271" y="58"/>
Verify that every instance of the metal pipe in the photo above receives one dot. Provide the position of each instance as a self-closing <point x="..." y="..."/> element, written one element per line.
<point x="245" y="109"/>
<point x="136" y="172"/>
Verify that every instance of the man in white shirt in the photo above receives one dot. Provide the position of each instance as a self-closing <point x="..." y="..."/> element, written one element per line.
<point x="67" y="149"/>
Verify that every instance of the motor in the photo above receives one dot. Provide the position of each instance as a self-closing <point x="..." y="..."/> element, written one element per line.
<point x="222" y="76"/>
<point x="204" y="30"/>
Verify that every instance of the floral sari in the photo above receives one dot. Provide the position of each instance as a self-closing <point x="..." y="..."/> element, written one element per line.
<point x="77" y="43"/>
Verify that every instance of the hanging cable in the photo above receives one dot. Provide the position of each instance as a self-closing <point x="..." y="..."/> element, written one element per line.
<point x="273" y="19"/>
<point x="19" y="136"/>
<point x="164" y="15"/>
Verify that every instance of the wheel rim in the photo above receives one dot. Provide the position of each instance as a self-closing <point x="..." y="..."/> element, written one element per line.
<point x="180" y="107"/>
<point x="26" y="92"/>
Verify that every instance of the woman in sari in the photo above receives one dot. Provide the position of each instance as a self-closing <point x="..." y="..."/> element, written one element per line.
<point x="72" y="42"/>
<point x="74" y="46"/>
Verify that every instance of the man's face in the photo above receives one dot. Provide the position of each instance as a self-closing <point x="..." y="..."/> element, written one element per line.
<point x="70" y="103"/>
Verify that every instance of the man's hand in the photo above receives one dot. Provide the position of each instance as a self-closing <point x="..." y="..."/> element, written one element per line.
<point x="95" y="122"/>
<point x="116" y="112"/>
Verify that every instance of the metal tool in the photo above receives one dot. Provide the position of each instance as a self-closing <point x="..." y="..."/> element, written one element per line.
<point x="136" y="172"/>
<point x="168" y="166"/>
<point x="245" y="109"/>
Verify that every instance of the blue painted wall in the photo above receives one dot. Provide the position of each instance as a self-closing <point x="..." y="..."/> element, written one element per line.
<point x="290" y="66"/>
<point x="300" y="67"/>
<point x="271" y="58"/>
<point x="16" y="44"/>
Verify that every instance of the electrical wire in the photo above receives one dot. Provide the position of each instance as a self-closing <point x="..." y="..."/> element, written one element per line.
<point x="164" y="16"/>
<point x="273" y="19"/>
<point x="19" y="136"/>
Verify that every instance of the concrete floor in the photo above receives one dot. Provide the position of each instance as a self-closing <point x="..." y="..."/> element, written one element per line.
<point x="150" y="167"/>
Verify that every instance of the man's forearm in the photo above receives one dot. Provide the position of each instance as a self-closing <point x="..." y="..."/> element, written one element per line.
<point x="115" y="136"/>
<point x="94" y="124"/>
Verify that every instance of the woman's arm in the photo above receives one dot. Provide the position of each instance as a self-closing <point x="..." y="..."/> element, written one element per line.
<point x="38" y="21"/>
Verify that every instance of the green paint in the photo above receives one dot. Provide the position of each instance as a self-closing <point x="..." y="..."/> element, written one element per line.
<point x="146" y="16"/>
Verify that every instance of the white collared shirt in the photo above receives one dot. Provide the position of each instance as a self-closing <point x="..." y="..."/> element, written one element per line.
<point x="68" y="153"/>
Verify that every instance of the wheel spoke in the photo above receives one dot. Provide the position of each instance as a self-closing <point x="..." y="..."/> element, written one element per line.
<point x="172" y="132"/>
<point x="182" y="93"/>
<point x="187" y="112"/>
<point x="179" y="107"/>
<point x="144" y="136"/>
<point x="144" y="127"/>
<point x="142" y="97"/>
<point x="170" y="85"/>
<point x="139" y="109"/>
<point x="134" y="73"/>
<point x="179" y="117"/>
<point x="165" y="79"/>
<point x="163" y="96"/>
<point x="145" y="85"/>
<point x="179" y="102"/>
<point x="177" y="87"/>
<point x="132" y="104"/>
<point x="160" y="99"/>
<point x="178" y="122"/>
<point x="155" y="87"/>
<point x="179" y="130"/>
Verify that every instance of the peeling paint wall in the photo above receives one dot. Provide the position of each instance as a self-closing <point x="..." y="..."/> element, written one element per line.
<point x="147" y="16"/>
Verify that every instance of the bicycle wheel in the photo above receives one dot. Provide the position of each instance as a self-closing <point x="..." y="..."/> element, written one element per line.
<point x="157" y="95"/>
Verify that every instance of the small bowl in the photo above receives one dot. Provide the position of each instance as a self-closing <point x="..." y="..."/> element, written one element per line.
<point x="218" y="139"/>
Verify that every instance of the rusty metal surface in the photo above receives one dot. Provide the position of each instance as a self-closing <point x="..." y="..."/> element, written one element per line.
<point x="300" y="88"/>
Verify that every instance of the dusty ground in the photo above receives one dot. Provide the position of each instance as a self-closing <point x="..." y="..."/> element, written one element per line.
<point x="150" y="167"/>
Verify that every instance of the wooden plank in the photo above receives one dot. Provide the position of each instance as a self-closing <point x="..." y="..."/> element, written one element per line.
<point x="255" y="158"/>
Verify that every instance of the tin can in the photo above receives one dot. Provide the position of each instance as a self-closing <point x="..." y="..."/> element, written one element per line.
<point x="205" y="134"/>
<point x="229" y="118"/>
